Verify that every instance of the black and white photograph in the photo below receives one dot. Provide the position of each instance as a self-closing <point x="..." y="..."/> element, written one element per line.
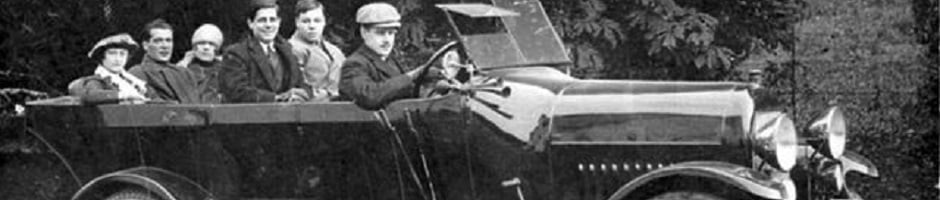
<point x="469" y="99"/>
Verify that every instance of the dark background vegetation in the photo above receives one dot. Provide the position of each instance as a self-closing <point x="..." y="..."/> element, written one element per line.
<point x="878" y="59"/>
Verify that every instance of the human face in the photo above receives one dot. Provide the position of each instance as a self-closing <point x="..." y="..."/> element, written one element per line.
<point x="310" y="24"/>
<point x="205" y="51"/>
<point x="160" y="45"/>
<point x="114" y="59"/>
<point x="265" y="24"/>
<point x="380" y="39"/>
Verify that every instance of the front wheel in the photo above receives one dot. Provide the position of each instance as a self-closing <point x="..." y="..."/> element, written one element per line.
<point x="133" y="194"/>
<point x="687" y="195"/>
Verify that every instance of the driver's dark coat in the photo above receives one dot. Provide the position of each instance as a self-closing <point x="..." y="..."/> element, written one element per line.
<point x="371" y="82"/>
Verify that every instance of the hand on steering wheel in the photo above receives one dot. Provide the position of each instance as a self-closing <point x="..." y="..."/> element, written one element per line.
<point x="437" y="79"/>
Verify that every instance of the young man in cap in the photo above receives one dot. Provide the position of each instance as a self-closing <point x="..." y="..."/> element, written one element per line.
<point x="262" y="68"/>
<point x="371" y="76"/>
<point x="320" y="60"/>
<point x="168" y="82"/>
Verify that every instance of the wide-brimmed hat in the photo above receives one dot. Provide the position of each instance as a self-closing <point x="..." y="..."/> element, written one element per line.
<point x="378" y="15"/>
<point x="122" y="40"/>
<point x="208" y="33"/>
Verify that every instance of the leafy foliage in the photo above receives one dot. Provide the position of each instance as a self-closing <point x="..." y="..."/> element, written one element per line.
<point x="587" y="32"/>
<point x="671" y="39"/>
<point x="686" y="34"/>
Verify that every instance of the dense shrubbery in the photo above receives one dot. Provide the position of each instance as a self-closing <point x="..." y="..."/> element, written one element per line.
<point x="873" y="57"/>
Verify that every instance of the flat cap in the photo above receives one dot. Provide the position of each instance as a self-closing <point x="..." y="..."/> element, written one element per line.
<point x="304" y="5"/>
<point x="122" y="40"/>
<point x="262" y="3"/>
<point x="378" y="14"/>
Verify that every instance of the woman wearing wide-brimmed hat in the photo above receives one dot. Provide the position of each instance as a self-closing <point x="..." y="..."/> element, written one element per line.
<point x="111" y="83"/>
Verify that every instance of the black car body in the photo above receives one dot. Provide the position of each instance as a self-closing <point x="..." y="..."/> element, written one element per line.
<point x="515" y="128"/>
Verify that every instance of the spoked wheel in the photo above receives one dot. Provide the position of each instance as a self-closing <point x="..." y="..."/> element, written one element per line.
<point x="687" y="195"/>
<point x="133" y="194"/>
<point x="691" y="189"/>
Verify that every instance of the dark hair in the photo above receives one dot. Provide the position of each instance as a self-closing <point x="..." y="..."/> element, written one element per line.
<point x="155" y="24"/>
<point x="314" y="4"/>
<point x="250" y="15"/>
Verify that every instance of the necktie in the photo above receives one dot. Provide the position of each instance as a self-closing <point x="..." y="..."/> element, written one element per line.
<point x="275" y="65"/>
<point x="269" y="50"/>
<point x="272" y="56"/>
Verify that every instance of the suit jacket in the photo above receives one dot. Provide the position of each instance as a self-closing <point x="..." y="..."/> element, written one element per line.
<point x="247" y="76"/>
<point x="371" y="82"/>
<point x="167" y="81"/>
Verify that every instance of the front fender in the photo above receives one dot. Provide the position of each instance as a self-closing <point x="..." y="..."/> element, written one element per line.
<point x="854" y="162"/>
<point x="741" y="177"/>
<point x="163" y="183"/>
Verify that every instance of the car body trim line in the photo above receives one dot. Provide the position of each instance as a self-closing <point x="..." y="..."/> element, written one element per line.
<point x="638" y="143"/>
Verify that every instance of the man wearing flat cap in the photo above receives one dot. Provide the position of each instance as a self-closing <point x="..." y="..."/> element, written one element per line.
<point x="261" y="68"/>
<point x="320" y="60"/>
<point x="371" y="76"/>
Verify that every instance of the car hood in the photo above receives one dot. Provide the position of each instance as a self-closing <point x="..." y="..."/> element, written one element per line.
<point x="546" y="105"/>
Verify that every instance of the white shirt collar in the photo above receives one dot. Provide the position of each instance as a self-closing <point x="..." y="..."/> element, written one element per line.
<point x="268" y="47"/>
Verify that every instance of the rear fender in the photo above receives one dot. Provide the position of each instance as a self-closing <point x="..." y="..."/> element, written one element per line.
<point x="743" y="178"/>
<point x="165" y="184"/>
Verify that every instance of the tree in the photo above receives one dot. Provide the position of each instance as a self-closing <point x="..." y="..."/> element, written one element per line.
<point x="671" y="39"/>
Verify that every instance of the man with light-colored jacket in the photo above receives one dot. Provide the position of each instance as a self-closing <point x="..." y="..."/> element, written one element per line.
<point x="320" y="60"/>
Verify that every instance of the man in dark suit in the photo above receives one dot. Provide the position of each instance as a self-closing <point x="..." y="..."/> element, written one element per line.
<point x="166" y="81"/>
<point x="261" y="68"/>
<point x="371" y="77"/>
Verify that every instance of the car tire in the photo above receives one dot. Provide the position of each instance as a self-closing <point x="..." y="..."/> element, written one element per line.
<point x="133" y="194"/>
<point x="689" y="195"/>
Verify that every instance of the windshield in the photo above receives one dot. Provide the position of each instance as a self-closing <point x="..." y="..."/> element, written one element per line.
<point x="507" y="33"/>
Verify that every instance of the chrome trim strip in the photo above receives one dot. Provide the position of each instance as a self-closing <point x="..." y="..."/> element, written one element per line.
<point x="638" y="143"/>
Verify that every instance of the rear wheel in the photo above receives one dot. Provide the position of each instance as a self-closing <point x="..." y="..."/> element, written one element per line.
<point x="133" y="194"/>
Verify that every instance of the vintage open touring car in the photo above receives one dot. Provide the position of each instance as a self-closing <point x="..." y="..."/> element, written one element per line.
<point x="513" y="127"/>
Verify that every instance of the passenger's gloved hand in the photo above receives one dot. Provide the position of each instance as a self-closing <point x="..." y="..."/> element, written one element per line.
<point x="187" y="58"/>
<point x="320" y="95"/>
<point x="130" y="95"/>
<point x="292" y="95"/>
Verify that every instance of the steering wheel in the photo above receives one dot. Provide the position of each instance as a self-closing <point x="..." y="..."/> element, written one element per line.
<point x="423" y="76"/>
